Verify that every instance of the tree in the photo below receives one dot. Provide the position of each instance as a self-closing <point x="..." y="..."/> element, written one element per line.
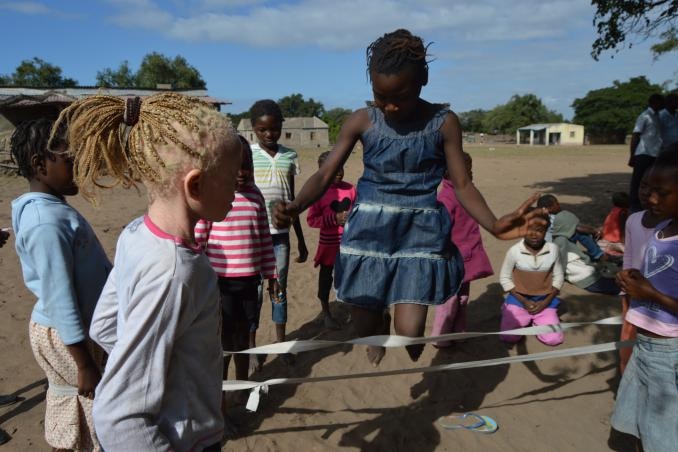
<point x="608" y="114"/>
<point x="517" y="112"/>
<point x="472" y="121"/>
<point x="155" y="69"/>
<point x="617" y="20"/>
<point x="37" y="73"/>
<point x="123" y="77"/>
<point x="295" y="105"/>
<point x="335" y="118"/>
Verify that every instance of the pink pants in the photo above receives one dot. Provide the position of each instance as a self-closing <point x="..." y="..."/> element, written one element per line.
<point x="451" y="316"/>
<point x="513" y="317"/>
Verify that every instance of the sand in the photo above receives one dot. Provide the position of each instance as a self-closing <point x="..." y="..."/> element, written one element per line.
<point x="556" y="405"/>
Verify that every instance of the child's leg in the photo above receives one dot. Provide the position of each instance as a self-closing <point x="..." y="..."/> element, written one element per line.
<point x="460" y="319"/>
<point x="410" y="320"/>
<point x="513" y="317"/>
<point x="367" y="322"/>
<point x="590" y="245"/>
<point x="281" y="248"/>
<point x="548" y="316"/>
<point x="324" y="287"/>
<point x="443" y="322"/>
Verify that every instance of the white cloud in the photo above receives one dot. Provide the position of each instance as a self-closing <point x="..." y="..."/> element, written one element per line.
<point x="26" y="7"/>
<point x="352" y="23"/>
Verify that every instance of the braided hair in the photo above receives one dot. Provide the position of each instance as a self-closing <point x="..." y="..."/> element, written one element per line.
<point x="150" y="141"/>
<point x="29" y="139"/>
<point x="265" y="107"/>
<point x="396" y="51"/>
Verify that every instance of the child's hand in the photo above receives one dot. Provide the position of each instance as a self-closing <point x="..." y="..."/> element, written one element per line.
<point x="303" y="253"/>
<point x="538" y="306"/>
<point x="283" y="214"/>
<point x="4" y="235"/>
<point x="341" y="218"/>
<point x="515" y="224"/>
<point x="273" y="289"/>
<point x="635" y="285"/>
<point x="88" y="379"/>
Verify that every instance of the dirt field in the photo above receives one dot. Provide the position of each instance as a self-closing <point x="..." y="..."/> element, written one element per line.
<point x="556" y="405"/>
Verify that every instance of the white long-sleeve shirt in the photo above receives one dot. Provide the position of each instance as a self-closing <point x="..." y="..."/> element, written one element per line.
<point x="519" y="258"/>
<point x="158" y="318"/>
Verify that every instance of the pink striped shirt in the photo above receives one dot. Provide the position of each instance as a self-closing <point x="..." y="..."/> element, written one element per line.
<point x="240" y="245"/>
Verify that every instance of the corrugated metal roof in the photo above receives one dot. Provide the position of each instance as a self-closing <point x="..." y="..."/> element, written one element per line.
<point x="546" y="126"/>
<point x="84" y="91"/>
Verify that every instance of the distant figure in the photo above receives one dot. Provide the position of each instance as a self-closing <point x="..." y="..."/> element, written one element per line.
<point x="329" y="214"/>
<point x="583" y="234"/>
<point x="646" y="143"/>
<point x="451" y="316"/>
<point x="532" y="275"/>
<point x="612" y="238"/>
<point x="668" y="119"/>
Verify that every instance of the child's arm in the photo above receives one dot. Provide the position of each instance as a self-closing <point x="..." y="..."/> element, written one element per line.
<point x="507" y="227"/>
<point x="4" y="235"/>
<point x="636" y="286"/>
<point x="104" y="327"/>
<point x="628" y="245"/>
<point x="506" y="272"/>
<point x="315" y="217"/>
<point x="296" y="225"/>
<point x="316" y="185"/>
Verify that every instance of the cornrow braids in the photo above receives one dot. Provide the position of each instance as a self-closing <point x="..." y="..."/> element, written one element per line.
<point x="29" y="139"/>
<point x="167" y="131"/>
<point x="396" y="51"/>
<point x="265" y="107"/>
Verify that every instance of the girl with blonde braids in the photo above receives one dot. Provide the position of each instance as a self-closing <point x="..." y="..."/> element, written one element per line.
<point x="158" y="314"/>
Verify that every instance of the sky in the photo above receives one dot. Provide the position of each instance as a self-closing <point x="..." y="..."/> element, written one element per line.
<point x="483" y="51"/>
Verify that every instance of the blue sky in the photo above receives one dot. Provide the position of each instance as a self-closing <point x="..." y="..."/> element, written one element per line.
<point x="485" y="50"/>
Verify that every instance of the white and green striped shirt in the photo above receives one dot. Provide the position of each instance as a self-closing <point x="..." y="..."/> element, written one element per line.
<point x="274" y="176"/>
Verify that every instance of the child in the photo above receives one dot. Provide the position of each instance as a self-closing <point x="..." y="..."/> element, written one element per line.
<point x="532" y="275"/>
<point x="241" y="252"/>
<point x="451" y="316"/>
<point x="330" y="214"/>
<point x="66" y="268"/>
<point x="158" y="315"/>
<point x="583" y="234"/>
<point x="638" y="232"/>
<point x="612" y="238"/>
<point x="647" y="400"/>
<point x="396" y="250"/>
<point x="576" y="263"/>
<point x="274" y="169"/>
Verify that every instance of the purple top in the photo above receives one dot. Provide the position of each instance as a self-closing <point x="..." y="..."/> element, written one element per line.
<point x="660" y="267"/>
<point x="465" y="235"/>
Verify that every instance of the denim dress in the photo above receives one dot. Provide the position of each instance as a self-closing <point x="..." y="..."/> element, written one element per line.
<point x="396" y="245"/>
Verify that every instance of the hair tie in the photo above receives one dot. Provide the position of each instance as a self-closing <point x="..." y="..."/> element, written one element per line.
<point x="132" y="110"/>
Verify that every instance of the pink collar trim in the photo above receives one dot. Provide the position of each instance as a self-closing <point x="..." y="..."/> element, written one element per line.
<point x="155" y="230"/>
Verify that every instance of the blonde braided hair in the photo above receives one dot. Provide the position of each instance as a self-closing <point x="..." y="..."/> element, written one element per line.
<point x="168" y="133"/>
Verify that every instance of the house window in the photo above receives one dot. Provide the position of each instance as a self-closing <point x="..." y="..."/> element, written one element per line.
<point x="312" y="135"/>
<point x="571" y="134"/>
<point x="288" y="135"/>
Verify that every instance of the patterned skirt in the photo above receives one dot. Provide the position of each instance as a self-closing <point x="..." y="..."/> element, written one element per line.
<point x="68" y="416"/>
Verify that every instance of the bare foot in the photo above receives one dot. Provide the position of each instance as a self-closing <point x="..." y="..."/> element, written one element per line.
<point x="375" y="354"/>
<point x="415" y="351"/>
<point x="256" y="363"/>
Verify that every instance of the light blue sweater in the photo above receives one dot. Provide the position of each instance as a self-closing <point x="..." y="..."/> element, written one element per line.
<point x="63" y="263"/>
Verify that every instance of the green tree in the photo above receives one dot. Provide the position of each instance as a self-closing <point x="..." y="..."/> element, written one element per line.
<point x="123" y="77"/>
<point x="517" y="112"/>
<point x="155" y="69"/>
<point x="608" y="114"/>
<point x="618" y="20"/>
<point x="295" y="105"/>
<point x="335" y="118"/>
<point x="472" y="121"/>
<point x="37" y="73"/>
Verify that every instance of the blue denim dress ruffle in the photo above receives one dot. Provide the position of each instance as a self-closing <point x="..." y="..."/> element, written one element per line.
<point x="396" y="245"/>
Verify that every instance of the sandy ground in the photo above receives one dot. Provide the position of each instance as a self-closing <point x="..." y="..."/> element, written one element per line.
<point x="556" y="405"/>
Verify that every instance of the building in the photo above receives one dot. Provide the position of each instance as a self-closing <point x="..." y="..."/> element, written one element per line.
<point x="551" y="134"/>
<point x="296" y="132"/>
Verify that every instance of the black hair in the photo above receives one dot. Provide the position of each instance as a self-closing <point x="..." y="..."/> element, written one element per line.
<point x="655" y="98"/>
<point x="30" y="139"/>
<point x="249" y="162"/>
<point x="322" y="157"/>
<point x="396" y="51"/>
<point x="546" y="201"/>
<point x="543" y="216"/>
<point x="265" y="107"/>
<point x="668" y="158"/>
<point x="621" y="199"/>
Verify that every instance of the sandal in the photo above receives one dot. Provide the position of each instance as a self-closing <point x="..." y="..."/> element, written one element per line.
<point x="470" y="421"/>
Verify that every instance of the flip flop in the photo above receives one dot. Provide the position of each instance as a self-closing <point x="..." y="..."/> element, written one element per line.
<point x="470" y="421"/>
